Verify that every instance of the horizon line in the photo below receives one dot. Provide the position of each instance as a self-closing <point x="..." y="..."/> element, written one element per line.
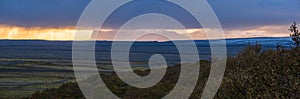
<point x="140" y="40"/>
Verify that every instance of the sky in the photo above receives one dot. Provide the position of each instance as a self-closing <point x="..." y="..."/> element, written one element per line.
<point x="56" y="19"/>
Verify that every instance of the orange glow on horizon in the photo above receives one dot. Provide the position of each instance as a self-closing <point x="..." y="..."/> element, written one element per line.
<point x="13" y="32"/>
<point x="68" y="33"/>
<point x="38" y="33"/>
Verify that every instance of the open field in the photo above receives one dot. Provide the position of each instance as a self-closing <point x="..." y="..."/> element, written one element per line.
<point x="20" y="78"/>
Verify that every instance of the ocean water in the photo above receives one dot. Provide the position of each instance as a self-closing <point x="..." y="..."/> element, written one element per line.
<point x="140" y="52"/>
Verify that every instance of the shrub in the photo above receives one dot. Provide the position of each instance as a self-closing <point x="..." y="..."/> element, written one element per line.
<point x="295" y="34"/>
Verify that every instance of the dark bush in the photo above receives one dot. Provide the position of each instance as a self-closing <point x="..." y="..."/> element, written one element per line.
<point x="295" y="34"/>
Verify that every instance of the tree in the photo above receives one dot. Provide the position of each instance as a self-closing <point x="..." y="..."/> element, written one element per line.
<point x="295" y="34"/>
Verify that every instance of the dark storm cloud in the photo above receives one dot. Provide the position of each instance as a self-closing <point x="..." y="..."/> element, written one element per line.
<point x="252" y="13"/>
<point x="53" y="13"/>
<point x="232" y="13"/>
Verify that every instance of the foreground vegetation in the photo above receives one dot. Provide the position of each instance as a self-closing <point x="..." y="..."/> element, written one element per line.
<point x="253" y="73"/>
